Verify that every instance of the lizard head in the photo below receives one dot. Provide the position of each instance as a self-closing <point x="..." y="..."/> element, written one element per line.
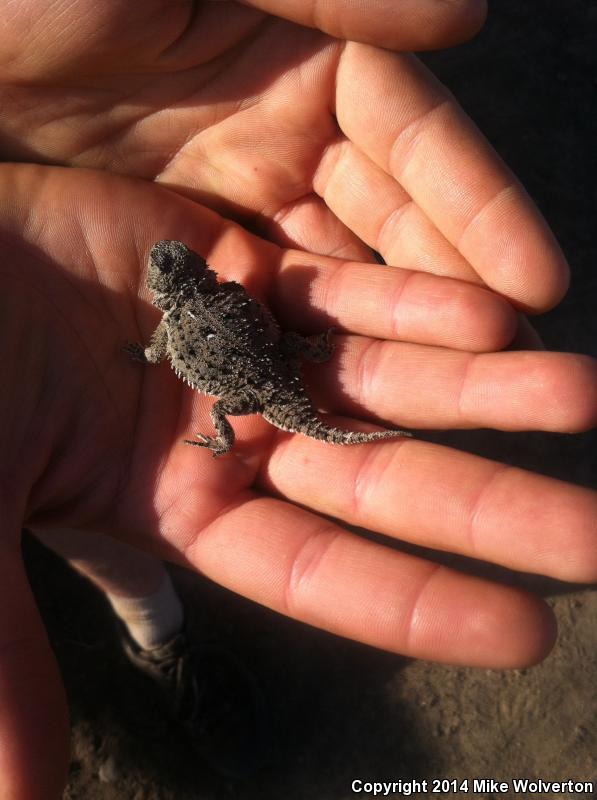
<point x="173" y="269"/>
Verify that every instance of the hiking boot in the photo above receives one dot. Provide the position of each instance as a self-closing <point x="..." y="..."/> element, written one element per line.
<point x="213" y="696"/>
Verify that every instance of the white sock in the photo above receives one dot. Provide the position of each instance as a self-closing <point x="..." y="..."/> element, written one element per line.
<point x="152" y="619"/>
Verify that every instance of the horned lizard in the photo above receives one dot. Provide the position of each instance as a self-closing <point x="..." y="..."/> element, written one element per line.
<point x="225" y="343"/>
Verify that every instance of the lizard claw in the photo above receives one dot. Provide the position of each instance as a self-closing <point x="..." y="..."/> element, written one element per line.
<point x="215" y="445"/>
<point x="135" y="351"/>
<point x="204" y="441"/>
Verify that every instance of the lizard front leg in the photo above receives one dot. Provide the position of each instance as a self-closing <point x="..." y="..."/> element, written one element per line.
<point x="156" y="350"/>
<point x="234" y="407"/>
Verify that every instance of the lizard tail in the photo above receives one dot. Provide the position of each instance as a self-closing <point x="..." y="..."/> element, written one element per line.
<point x="317" y="429"/>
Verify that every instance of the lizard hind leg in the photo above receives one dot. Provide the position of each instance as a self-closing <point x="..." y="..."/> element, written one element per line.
<point x="316" y="348"/>
<point x="224" y="441"/>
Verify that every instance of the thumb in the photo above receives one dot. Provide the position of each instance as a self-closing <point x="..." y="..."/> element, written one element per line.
<point x="34" y="738"/>
<point x="395" y="24"/>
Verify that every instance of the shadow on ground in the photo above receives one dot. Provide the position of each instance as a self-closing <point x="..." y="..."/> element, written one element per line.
<point x="331" y="699"/>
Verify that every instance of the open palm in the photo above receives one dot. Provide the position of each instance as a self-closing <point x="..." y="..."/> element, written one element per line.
<point x="94" y="442"/>
<point x="331" y="146"/>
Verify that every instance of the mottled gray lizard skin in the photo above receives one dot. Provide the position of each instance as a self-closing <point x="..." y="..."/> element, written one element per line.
<point x="224" y="343"/>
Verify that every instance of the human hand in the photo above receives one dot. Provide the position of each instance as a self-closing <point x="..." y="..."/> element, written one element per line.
<point x="90" y="441"/>
<point x="330" y="146"/>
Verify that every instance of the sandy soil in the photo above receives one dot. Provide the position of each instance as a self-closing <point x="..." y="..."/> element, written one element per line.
<point x="342" y="711"/>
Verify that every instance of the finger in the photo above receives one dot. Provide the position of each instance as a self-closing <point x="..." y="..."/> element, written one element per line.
<point x="440" y="498"/>
<point x="300" y="565"/>
<point x="390" y="303"/>
<point x="425" y="387"/>
<point x="400" y="25"/>
<point x="308" y="224"/>
<point x="395" y="111"/>
<point x="33" y="718"/>
<point x="375" y="206"/>
<point x="394" y="225"/>
<point x="526" y="336"/>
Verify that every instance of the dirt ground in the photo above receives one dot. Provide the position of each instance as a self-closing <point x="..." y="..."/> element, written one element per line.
<point x="342" y="711"/>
